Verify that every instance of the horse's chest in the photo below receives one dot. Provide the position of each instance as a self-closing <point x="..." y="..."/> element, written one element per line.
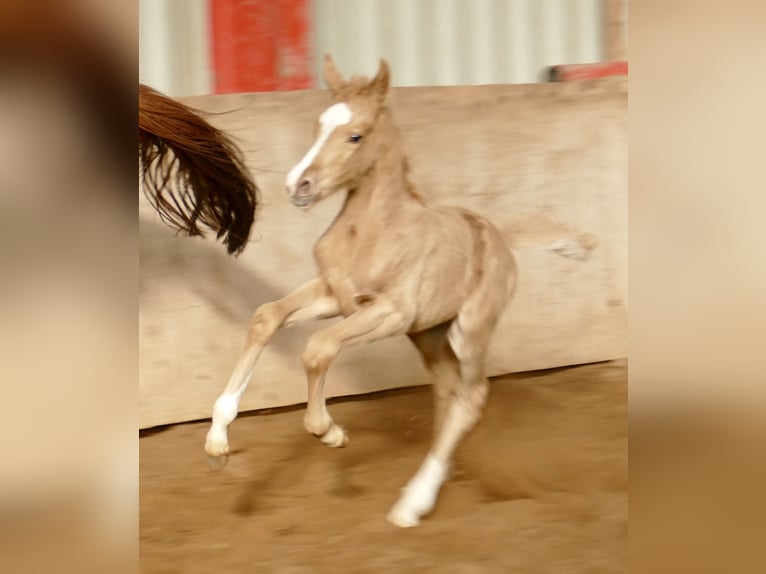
<point x="351" y="269"/>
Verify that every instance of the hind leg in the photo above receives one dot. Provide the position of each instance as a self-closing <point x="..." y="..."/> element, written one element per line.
<point x="443" y="366"/>
<point x="463" y="411"/>
<point x="468" y="336"/>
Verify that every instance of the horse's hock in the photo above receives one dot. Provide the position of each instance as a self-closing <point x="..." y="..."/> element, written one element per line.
<point x="547" y="163"/>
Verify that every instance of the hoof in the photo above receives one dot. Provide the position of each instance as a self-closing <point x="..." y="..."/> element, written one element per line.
<point x="403" y="517"/>
<point x="419" y="496"/>
<point x="217" y="462"/>
<point x="336" y="437"/>
<point x="217" y="449"/>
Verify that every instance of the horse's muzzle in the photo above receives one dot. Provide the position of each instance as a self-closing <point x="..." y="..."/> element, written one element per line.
<point x="301" y="195"/>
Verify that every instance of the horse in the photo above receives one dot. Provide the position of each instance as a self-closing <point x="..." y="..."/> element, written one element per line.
<point x="193" y="174"/>
<point x="389" y="264"/>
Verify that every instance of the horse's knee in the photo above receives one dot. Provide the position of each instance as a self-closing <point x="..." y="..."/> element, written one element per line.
<point x="319" y="352"/>
<point x="264" y="322"/>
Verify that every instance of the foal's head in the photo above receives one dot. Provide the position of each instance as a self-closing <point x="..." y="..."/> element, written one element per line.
<point x="348" y="137"/>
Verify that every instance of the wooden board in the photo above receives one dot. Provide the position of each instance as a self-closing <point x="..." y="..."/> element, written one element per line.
<point x="546" y="162"/>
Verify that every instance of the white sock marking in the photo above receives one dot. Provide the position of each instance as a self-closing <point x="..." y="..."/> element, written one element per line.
<point x="334" y="116"/>
<point x="419" y="496"/>
<point x="430" y="476"/>
<point x="225" y="409"/>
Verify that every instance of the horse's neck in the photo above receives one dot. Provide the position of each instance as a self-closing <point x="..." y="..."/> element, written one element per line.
<point x="384" y="194"/>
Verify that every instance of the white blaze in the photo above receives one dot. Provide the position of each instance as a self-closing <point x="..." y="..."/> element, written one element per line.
<point x="331" y="118"/>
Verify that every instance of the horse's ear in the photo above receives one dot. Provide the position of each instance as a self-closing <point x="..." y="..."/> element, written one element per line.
<point x="379" y="84"/>
<point x="332" y="76"/>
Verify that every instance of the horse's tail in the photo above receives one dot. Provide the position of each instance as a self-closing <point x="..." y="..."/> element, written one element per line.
<point x="193" y="173"/>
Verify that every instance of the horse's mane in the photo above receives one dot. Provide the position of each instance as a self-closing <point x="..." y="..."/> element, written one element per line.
<point x="193" y="173"/>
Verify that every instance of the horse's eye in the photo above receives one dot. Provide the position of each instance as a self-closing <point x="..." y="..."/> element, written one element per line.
<point x="355" y="138"/>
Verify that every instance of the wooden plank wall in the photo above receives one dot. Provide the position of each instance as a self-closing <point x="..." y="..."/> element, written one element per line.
<point x="546" y="162"/>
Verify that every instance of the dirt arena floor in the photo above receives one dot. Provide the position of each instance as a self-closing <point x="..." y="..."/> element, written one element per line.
<point x="540" y="486"/>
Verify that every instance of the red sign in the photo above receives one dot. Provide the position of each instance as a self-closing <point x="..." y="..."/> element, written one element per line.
<point x="574" y="72"/>
<point x="260" y="45"/>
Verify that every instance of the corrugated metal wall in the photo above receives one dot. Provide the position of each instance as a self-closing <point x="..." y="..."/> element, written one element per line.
<point x="427" y="42"/>
<point x="174" y="46"/>
<point x="447" y="42"/>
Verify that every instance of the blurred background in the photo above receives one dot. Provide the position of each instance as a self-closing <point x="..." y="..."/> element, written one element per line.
<point x="197" y="47"/>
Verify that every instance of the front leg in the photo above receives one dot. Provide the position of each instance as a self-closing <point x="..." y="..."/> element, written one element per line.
<point x="313" y="300"/>
<point x="377" y="321"/>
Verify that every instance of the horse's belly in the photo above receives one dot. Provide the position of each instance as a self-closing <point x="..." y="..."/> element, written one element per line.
<point x="434" y="312"/>
<point x="440" y="297"/>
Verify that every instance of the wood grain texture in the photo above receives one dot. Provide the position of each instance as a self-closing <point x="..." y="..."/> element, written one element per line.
<point x="547" y="163"/>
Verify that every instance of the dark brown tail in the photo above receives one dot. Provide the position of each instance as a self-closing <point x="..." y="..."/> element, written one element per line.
<point x="193" y="173"/>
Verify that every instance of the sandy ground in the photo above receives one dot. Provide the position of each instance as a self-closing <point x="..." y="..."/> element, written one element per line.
<point x="540" y="486"/>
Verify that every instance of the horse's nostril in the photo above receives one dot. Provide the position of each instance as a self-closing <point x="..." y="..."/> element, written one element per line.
<point x="304" y="186"/>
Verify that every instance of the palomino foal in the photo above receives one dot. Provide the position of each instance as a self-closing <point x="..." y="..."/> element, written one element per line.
<point x="390" y="265"/>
